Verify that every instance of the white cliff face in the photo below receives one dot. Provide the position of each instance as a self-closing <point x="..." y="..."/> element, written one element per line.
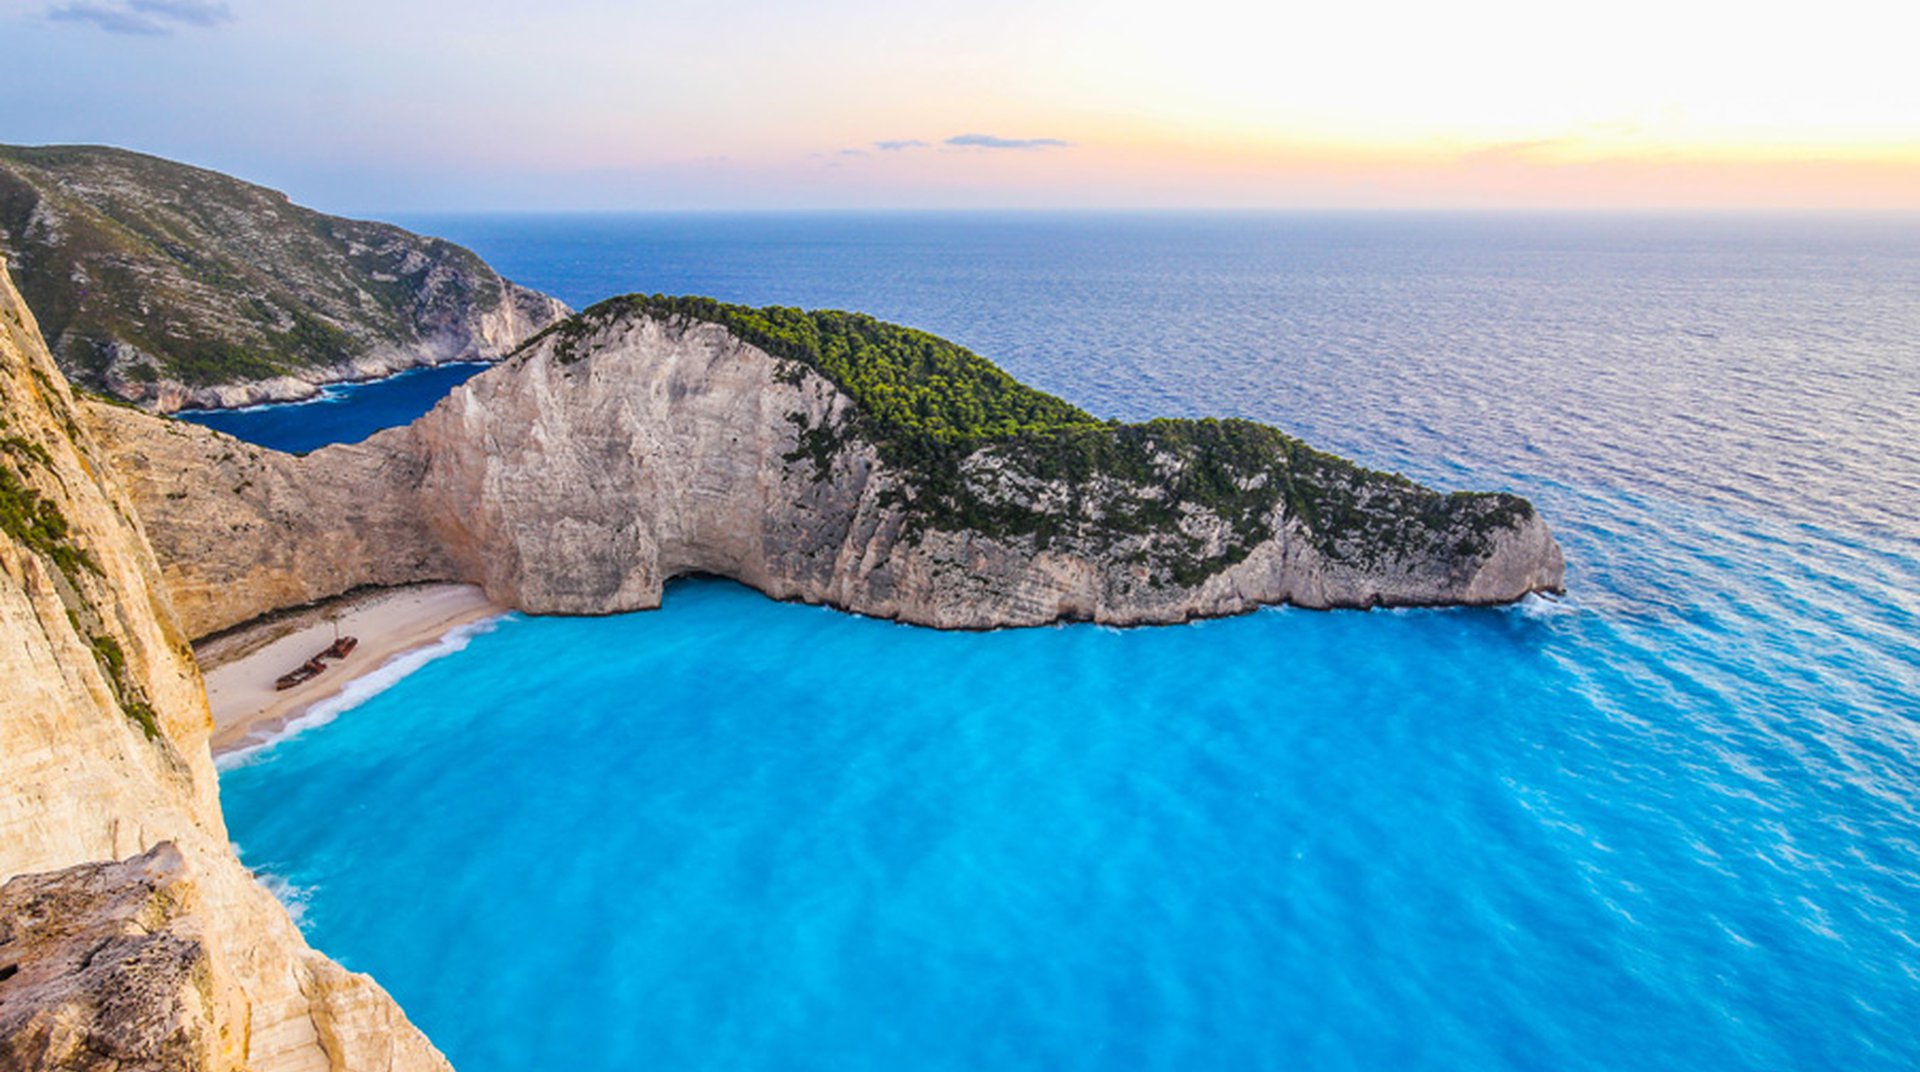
<point x="243" y="530"/>
<point x="669" y="447"/>
<point x="675" y="448"/>
<point x="582" y="487"/>
<point x="103" y="756"/>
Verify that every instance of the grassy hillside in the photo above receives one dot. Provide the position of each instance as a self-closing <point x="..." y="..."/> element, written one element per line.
<point x="141" y="270"/>
<point x="910" y="385"/>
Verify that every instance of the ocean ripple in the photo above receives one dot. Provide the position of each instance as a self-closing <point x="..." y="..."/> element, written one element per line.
<point x="1665" y="823"/>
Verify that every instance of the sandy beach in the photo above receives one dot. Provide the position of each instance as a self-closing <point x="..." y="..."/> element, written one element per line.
<point x="241" y="666"/>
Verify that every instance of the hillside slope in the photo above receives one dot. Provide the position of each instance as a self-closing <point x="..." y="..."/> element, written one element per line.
<point x="174" y="286"/>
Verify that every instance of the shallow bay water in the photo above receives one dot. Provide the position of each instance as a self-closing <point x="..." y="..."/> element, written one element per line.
<point x="342" y="412"/>
<point x="1668" y="822"/>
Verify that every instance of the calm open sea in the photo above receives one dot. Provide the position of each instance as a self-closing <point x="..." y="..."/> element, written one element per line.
<point x="1672" y="822"/>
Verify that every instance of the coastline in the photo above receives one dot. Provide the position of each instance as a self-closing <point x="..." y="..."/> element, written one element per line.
<point x="168" y="397"/>
<point x="240" y="666"/>
<point x="322" y="389"/>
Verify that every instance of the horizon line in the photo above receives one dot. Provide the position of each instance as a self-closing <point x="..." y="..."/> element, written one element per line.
<point x="1179" y="210"/>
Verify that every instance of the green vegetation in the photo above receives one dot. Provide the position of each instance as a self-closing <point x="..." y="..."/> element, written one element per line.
<point x="216" y="280"/>
<point x="969" y="436"/>
<point x="202" y="362"/>
<point x="35" y="521"/>
<point x="31" y="483"/>
<point x="113" y="661"/>
<point x="910" y="385"/>
<point x="37" y="524"/>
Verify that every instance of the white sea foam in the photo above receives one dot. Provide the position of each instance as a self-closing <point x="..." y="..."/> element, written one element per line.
<point x="355" y="692"/>
<point x="327" y="394"/>
<point x="293" y="897"/>
<point x="1541" y="608"/>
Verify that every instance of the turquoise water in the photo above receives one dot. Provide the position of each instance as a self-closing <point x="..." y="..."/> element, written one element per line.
<point x="1669" y="822"/>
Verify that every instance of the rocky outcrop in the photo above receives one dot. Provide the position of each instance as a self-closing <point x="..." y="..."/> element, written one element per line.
<point x="178" y="287"/>
<point x="674" y="448"/>
<point x="103" y="757"/>
<point x="107" y="967"/>
<point x="602" y="461"/>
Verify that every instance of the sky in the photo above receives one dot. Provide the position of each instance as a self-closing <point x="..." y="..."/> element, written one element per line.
<point x="592" y="105"/>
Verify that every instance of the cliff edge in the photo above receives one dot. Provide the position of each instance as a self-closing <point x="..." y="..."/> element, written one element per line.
<point x="822" y="457"/>
<point x="130" y="935"/>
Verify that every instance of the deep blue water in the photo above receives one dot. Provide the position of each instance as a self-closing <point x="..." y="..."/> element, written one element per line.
<point x="343" y="412"/>
<point x="1672" y="822"/>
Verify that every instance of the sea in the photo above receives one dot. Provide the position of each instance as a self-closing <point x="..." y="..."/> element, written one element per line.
<point x="341" y="412"/>
<point x="1670" y="821"/>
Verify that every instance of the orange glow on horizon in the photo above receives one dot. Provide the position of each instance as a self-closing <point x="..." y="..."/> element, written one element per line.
<point x="1206" y="104"/>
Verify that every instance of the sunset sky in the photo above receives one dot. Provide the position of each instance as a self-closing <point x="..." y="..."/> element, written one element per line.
<point x="360" y="106"/>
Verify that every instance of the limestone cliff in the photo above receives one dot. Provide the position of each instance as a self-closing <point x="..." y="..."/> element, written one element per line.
<point x="103" y="757"/>
<point x="175" y="286"/>
<point x="242" y="530"/>
<point x="110" y="967"/>
<point x="648" y="440"/>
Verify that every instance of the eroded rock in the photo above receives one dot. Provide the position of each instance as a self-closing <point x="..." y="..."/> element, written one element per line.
<point x="587" y="471"/>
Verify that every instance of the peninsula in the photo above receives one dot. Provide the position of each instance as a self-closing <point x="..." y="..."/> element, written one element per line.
<point x="822" y="457"/>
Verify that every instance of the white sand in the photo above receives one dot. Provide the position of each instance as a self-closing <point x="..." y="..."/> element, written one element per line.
<point x="241" y="667"/>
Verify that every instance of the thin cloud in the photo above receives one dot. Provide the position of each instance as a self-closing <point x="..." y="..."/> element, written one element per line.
<point x="853" y="152"/>
<point x="1622" y="133"/>
<point x="142" y="18"/>
<point x="899" y="144"/>
<point x="187" y="12"/>
<point x="1527" y="150"/>
<point x="991" y="141"/>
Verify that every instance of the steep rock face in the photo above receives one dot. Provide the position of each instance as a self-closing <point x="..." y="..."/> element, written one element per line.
<point x="582" y="487"/>
<point x="603" y="461"/>
<point x="103" y="756"/>
<point x="174" y="286"/>
<point x="244" y="530"/>
<point x="594" y="468"/>
<point x="108" y="967"/>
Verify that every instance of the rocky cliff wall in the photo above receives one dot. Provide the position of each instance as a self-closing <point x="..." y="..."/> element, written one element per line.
<point x="591" y="470"/>
<point x="588" y="470"/>
<point x="243" y="530"/>
<point x="103" y="757"/>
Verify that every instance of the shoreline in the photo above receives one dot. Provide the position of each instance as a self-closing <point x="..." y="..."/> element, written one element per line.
<point x="240" y="666"/>
<point x="320" y="390"/>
